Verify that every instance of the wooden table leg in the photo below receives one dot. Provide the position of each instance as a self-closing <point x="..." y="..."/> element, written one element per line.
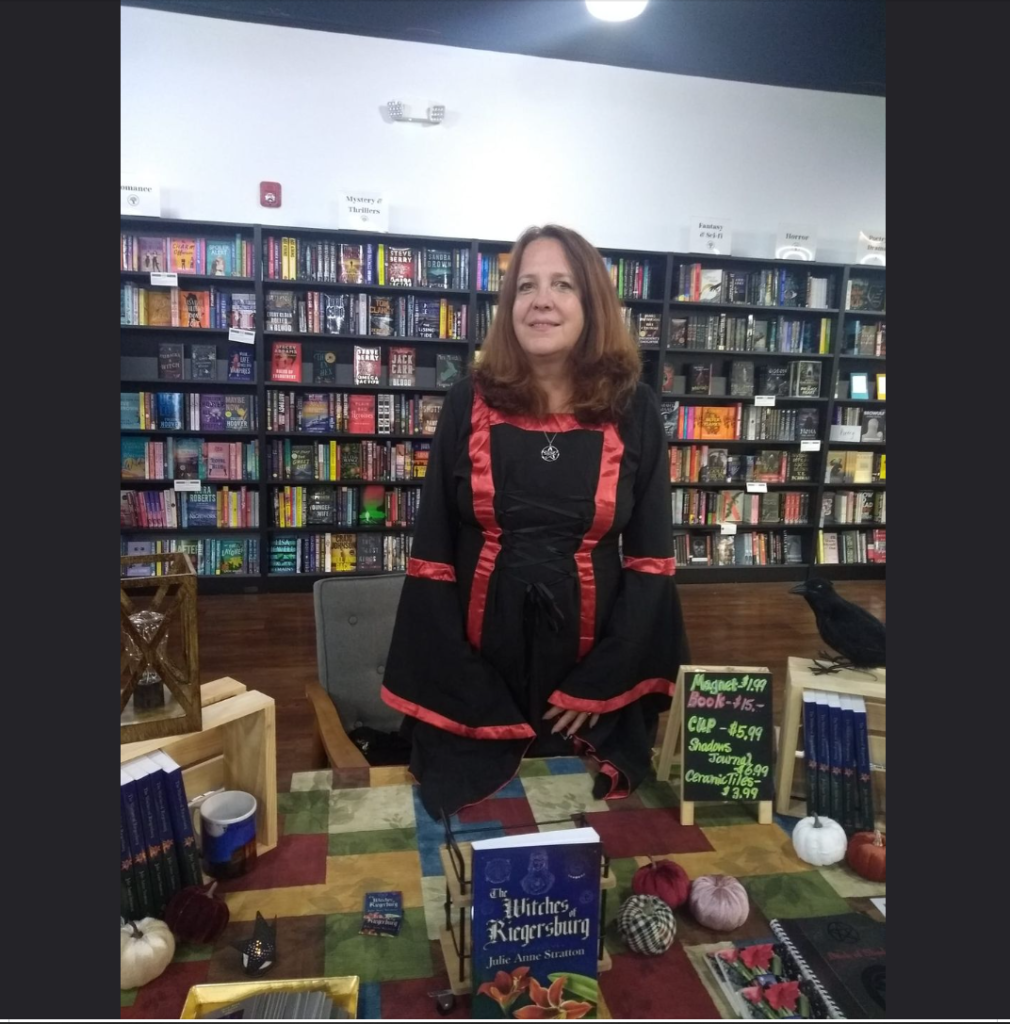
<point x="787" y="746"/>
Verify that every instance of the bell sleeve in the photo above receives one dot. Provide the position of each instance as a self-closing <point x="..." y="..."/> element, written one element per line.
<point x="433" y="674"/>
<point x="642" y="644"/>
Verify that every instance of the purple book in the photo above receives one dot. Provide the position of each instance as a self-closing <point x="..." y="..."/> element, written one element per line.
<point x="212" y="412"/>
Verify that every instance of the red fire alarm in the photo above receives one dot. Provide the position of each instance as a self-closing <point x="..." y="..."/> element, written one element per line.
<point x="270" y="193"/>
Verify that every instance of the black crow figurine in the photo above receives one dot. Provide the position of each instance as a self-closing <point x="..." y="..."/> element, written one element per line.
<point x="857" y="635"/>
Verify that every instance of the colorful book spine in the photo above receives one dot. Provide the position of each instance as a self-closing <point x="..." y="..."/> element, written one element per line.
<point x="810" y="750"/>
<point x="837" y="762"/>
<point x="865" y="787"/>
<point x="152" y="836"/>
<point x="823" y="754"/>
<point x="130" y="809"/>
<point x="186" y="850"/>
<point x="170" y="860"/>
<point x="130" y="907"/>
<point x="849" y="796"/>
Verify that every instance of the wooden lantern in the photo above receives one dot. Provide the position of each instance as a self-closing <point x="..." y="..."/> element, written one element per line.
<point x="159" y="677"/>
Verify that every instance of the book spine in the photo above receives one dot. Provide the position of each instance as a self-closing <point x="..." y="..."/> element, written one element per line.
<point x="152" y="841"/>
<point x="850" y="797"/>
<point x="823" y="733"/>
<point x="130" y="809"/>
<point x="837" y="757"/>
<point x="865" y="817"/>
<point x="129" y="904"/>
<point x="170" y="860"/>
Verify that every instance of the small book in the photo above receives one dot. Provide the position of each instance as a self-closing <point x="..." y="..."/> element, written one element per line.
<point x="170" y="362"/>
<point x="700" y="379"/>
<point x="204" y="362"/>
<point x="324" y="366"/>
<point x="402" y="366"/>
<point x="382" y="913"/>
<point x="872" y="426"/>
<point x="448" y="369"/>
<point x="286" y="363"/>
<point x="367" y="365"/>
<point x="843" y="957"/>
<point x="240" y="362"/>
<point x="741" y="378"/>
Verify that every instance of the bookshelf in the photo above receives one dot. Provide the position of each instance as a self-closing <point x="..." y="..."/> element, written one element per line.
<point x="677" y="332"/>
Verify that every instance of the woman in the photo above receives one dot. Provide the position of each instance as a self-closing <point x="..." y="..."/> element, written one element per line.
<point x="519" y="632"/>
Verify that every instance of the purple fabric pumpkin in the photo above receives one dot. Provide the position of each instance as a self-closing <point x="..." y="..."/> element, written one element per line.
<point x="719" y="902"/>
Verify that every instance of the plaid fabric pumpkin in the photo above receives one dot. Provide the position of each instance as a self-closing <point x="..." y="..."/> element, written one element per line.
<point x="647" y="925"/>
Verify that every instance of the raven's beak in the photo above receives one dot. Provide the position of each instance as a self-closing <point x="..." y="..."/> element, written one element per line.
<point x="800" y="588"/>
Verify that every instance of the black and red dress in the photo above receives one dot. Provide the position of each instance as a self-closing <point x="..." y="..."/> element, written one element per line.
<point x="541" y="571"/>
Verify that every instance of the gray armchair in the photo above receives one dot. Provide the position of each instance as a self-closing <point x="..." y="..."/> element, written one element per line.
<point x="354" y="626"/>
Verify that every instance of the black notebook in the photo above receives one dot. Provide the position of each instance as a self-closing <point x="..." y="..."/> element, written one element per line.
<point x="843" y="957"/>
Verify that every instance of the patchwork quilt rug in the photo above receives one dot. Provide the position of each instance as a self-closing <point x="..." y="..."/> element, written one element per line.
<point x="341" y="838"/>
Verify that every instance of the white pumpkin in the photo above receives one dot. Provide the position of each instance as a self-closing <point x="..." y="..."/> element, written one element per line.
<point x="146" y="948"/>
<point x="820" y="841"/>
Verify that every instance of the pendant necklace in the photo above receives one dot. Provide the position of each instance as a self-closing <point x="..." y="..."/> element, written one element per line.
<point x="550" y="453"/>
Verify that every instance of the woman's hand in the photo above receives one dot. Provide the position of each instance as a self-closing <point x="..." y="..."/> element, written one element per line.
<point x="570" y="721"/>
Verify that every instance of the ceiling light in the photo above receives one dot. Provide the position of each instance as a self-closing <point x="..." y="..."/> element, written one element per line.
<point x="616" y="10"/>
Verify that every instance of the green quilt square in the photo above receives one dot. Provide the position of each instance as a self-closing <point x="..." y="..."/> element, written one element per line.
<point x="305" y="813"/>
<point x="185" y="952"/>
<point x="714" y="815"/>
<point x="384" y="840"/>
<point x="533" y="769"/>
<point x="127" y="996"/>
<point x="376" y="957"/>
<point x="654" y="793"/>
<point x="794" y="894"/>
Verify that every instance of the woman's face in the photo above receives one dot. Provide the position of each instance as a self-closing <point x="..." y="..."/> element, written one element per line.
<point x="547" y="315"/>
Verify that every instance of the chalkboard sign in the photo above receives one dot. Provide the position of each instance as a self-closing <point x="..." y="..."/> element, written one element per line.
<point x="727" y="743"/>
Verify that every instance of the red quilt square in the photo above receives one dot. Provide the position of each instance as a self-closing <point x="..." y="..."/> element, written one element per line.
<point x="514" y="813"/>
<point x="163" y="998"/>
<point x="656" y="988"/>
<point x="295" y="860"/>
<point x="653" y="831"/>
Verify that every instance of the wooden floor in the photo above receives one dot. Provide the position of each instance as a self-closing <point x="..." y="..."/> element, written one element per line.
<point x="267" y="641"/>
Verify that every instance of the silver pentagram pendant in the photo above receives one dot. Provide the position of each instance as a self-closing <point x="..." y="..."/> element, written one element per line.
<point x="550" y="454"/>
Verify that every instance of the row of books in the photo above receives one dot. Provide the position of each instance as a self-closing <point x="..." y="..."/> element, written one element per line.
<point x="295" y="507"/>
<point x="800" y="379"/>
<point x="698" y="463"/>
<point x="211" y="556"/>
<point x="635" y="279"/>
<point x="851" y="547"/>
<point x="219" y="257"/>
<point x="349" y="460"/>
<point x="859" y="386"/>
<point x="158" y="851"/>
<point x="836" y="746"/>
<point x="364" y="314"/>
<point x="778" y="286"/>
<point x="868" y="293"/>
<point x="372" y="263"/>
<point x="188" y="458"/>
<point x="340" y="552"/>
<point x="280" y="1004"/>
<point x="194" y="308"/>
<point x="872" y="422"/>
<point x="203" y="363"/>
<point x="173" y="410"/>
<point x="218" y="508"/>
<point x="286" y="365"/>
<point x="486" y="311"/>
<point x="724" y="332"/>
<point x="491" y="269"/>
<point x="753" y="547"/>
<point x="855" y="467"/>
<point x="337" y="412"/>
<point x="854" y="507"/>
<point x="645" y="327"/>
<point x="865" y="339"/>
<point x="737" y="422"/>
<point x="697" y="507"/>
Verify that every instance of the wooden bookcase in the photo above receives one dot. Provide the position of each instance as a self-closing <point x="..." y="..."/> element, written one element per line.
<point x="139" y="371"/>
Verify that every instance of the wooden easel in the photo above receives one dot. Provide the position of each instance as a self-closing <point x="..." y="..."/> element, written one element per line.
<point x="673" y="740"/>
<point x="872" y="686"/>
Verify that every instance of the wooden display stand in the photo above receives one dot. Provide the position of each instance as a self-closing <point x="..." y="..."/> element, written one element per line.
<point x="455" y="938"/>
<point x="799" y="677"/>
<point x="235" y="749"/>
<point x="673" y="741"/>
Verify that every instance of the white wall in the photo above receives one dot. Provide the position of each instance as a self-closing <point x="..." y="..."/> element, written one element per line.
<point x="210" y="108"/>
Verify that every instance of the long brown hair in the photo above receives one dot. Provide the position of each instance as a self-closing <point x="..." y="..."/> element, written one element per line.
<point x="605" y="364"/>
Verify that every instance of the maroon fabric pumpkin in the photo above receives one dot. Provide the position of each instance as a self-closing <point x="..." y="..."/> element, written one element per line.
<point x="196" y="915"/>
<point x="719" y="902"/>
<point x="665" y="879"/>
<point x="867" y="855"/>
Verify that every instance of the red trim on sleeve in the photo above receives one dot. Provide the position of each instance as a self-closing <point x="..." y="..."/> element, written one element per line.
<point x="618" y="786"/>
<point x="603" y="520"/>
<point x="520" y="731"/>
<point x="441" y="572"/>
<point x="600" y="707"/>
<point x="656" y="566"/>
<point x="482" y="483"/>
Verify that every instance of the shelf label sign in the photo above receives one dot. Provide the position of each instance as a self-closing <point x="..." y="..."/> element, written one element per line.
<point x="165" y="278"/>
<point x="796" y="242"/>
<point x="728" y="529"/>
<point x="247" y="337"/>
<point x="872" y="247"/>
<point x="811" y="446"/>
<point x="139" y="196"/>
<point x="187" y="485"/>
<point x="757" y="487"/>
<point x="362" y="210"/>
<point x="766" y="400"/>
<point x="711" y="234"/>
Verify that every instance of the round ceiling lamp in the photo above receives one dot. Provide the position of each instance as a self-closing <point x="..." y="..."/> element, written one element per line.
<point x="616" y="10"/>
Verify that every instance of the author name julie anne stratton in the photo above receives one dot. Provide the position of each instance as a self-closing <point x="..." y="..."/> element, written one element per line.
<point x="527" y="920"/>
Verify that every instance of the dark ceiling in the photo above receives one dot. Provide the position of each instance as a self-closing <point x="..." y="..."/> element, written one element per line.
<point x="834" y="45"/>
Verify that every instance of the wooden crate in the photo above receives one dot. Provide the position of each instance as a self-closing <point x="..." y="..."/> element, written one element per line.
<point x="236" y="749"/>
